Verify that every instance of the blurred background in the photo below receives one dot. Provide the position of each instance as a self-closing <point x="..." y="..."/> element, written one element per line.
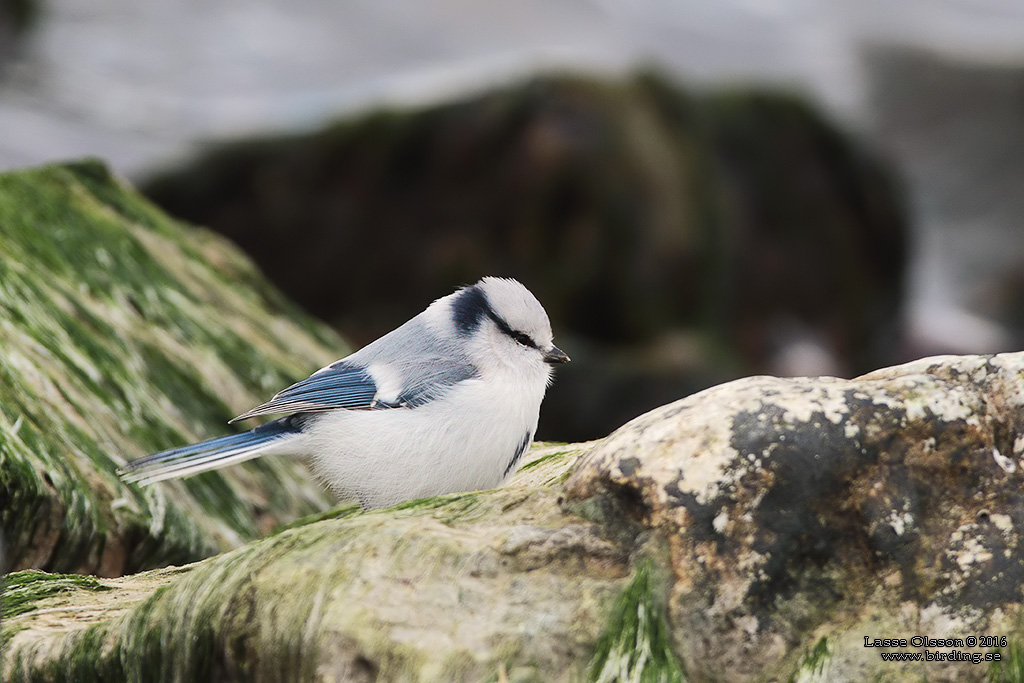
<point x="696" y="191"/>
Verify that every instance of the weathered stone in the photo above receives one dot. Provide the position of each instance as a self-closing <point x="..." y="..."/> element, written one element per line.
<point x="496" y="585"/>
<point x="123" y="332"/>
<point x="757" y="531"/>
<point x="808" y="510"/>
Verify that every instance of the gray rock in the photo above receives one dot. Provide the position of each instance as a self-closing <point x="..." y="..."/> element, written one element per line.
<point x="759" y="530"/>
<point x="805" y="514"/>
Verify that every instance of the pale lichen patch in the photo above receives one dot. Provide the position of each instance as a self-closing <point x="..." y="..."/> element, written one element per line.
<point x="1006" y="463"/>
<point x="900" y="521"/>
<point x="821" y="396"/>
<point x="945" y="622"/>
<point x="720" y="521"/>
<point x="967" y="552"/>
<point x="1002" y="522"/>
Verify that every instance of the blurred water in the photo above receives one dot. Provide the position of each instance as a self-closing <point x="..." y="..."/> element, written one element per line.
<point x="134" y="82"/>
<point x="138" y="83"/>
<point x="141" y="84"/>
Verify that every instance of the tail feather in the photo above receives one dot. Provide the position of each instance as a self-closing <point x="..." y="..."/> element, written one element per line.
<point x="208" y="455"/>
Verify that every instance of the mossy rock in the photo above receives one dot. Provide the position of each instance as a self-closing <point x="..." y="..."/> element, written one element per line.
<point x="493" y="585"/>
<point x="124" y="332"/>
<point x="757" y="531"/>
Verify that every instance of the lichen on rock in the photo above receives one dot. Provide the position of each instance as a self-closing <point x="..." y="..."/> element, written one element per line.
<point x="759" y="530"/>
<point x="889" y="505"/>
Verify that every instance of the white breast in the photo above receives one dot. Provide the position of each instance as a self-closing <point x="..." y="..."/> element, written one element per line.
<point x="462" y="442"/>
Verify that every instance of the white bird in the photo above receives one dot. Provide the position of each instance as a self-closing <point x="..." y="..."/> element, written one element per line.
<point x="447" y="402"/>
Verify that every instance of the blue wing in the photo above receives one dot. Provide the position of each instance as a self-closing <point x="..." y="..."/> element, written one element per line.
<point x="211" y="454"/>
<point x="340" y="385"/>
<point x="427" y="368"/>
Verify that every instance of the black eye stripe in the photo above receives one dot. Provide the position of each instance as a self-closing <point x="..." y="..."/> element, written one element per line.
<point x="520" y="337"/>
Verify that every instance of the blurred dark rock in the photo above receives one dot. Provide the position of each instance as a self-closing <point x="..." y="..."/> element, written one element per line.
<point x="16" y="17"/>
<point x="1004" y="303"/>
<point x="634" y="210"/>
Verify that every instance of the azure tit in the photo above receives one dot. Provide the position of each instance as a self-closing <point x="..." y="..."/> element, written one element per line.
<point x="447" y="402"/>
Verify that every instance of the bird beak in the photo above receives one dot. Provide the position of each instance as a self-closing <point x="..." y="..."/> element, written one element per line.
<point x="555" y="355"/>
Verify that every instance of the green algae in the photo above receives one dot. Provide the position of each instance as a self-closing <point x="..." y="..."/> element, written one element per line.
<point x="125" y="332"/>
<point x="544" y="459"/>
<point x="436" y="502"/>
<point x="1010" y="669"/>
<point x="637" y="642"/>
<point x="21" y="590"/>
<point x="20" y="593"/>
<point x="340" y="512"/>
<point x="355" y="582"/>
<point x="813" y="665"/>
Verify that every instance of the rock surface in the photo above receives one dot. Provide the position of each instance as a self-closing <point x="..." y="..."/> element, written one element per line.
<point x="457" y="588"/>
<point x="759" y="530"/>
<point x="814" y="512"/>
<point x="123" y="332"/>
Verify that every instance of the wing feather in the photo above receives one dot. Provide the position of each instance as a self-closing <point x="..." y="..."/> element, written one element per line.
<point x="426" y="367"/>
<point x="340" y="385"/>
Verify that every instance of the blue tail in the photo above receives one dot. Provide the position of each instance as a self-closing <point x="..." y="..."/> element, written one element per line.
<point x="209" y="455"/>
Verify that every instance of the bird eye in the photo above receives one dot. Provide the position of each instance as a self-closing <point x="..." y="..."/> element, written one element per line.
<point x="523" y="339"/>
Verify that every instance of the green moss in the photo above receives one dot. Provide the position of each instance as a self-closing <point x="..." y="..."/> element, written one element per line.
<point x="21" y="590"/>
<point x="210" y="607"/>
<point x="340" y="512"/>
<point x="448" y="509"/>
<point x="1011" y="668"/>
<point x="435" y="502"/>
<point x="636" y="644"/>
<point x="125" y="332"/>
<point x="351" y="589"/>
<point x="543" y="459"/>
<point x="813" y="665"/>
